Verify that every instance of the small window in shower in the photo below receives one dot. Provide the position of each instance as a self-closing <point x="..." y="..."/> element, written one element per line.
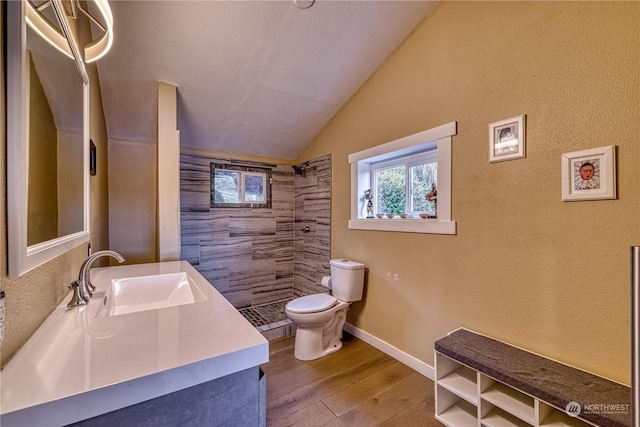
<point x="235" y="186"/>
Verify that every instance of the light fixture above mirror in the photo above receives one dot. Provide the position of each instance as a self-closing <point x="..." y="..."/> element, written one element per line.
<point x="41" y="25"/>
<point x="38" y="19"/>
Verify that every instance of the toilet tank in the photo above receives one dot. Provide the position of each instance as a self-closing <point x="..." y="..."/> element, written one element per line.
<point x="347" y="279"/>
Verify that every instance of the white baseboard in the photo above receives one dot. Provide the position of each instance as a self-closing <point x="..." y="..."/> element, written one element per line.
<point x="385" y="347"/>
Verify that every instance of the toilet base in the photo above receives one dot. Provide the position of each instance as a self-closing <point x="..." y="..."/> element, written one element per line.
<point x="303" y="352"/>
<point x="314" y="342"/>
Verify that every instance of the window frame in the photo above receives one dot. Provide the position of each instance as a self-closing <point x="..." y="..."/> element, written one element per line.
<point x="243" y="171"/>
<point x="438" y="138"/>
<point x="243" y="175"/>
<point x="408" y="161"/>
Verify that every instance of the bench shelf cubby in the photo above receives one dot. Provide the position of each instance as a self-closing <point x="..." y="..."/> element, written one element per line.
<point x="483" y="382"/>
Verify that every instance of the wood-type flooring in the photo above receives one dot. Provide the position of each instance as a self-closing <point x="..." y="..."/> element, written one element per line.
<point x="356" y="386"/>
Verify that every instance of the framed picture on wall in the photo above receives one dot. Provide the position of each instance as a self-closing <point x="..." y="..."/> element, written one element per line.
<point x="506" y="139"/>
<point x="589" y="174"/>
<point x="93" y="161"/>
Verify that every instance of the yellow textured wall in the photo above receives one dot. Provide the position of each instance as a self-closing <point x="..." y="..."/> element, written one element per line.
<point x="524" y="267"/>
<point x="132" y="200"/>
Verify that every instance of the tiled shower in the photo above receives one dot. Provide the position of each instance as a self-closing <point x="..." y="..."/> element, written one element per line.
<point x="258" y="258"/>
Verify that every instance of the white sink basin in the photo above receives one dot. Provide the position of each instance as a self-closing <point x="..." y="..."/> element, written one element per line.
<point x="134" y="294"/>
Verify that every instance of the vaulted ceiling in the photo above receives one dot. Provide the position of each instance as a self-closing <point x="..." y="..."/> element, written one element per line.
<point x="254" y="77"/>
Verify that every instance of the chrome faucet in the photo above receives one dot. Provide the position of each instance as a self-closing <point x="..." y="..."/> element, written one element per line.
<point x="83" y="288"/>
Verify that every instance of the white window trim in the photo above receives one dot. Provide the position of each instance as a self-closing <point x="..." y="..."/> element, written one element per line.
<point x="429" y="156"/>
<point x="361" y="181"/>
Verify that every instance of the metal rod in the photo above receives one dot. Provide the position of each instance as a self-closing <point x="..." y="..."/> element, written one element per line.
<point x="58" y="7"/>
<point x="635" y="339"/>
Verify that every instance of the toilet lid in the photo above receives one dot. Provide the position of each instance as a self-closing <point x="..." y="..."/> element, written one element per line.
<point x="311" y="303"/>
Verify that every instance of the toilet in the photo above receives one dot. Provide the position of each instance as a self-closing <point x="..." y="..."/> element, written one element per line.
<point x="319" y="318"/>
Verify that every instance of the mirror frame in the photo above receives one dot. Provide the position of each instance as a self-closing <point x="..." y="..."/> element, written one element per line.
<point x="21" y="257"/>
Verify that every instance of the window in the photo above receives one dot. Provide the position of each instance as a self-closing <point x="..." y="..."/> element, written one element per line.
<point x="400" y="173"/>
<point x="240" y="186"/>
<point x="400" y="185"/>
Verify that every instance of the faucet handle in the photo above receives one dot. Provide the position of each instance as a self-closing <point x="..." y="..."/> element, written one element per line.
<point x="78" y="298"/>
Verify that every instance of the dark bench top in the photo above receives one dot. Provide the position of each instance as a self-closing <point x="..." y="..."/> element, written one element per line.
<point x="603" y="402"/>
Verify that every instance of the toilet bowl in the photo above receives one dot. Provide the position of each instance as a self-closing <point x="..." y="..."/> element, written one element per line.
<point x="319" y="318"/>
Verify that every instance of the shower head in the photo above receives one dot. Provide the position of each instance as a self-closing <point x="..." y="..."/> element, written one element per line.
<point x="301" y="168"/>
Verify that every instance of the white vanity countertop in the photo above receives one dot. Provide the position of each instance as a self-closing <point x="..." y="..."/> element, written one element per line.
<point x="77" y="365"/>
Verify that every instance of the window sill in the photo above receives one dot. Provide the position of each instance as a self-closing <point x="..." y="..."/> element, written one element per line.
<point x="412" y="225"/>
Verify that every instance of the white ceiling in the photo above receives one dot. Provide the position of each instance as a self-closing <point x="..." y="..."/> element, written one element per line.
<point x="255" y="77"/>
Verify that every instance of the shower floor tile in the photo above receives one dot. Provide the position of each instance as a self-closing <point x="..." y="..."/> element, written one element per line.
<point x="268" y="317"/>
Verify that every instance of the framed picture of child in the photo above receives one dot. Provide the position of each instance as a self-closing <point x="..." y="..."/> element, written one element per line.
<point x="589" y="174"/>
<point x="506" y="139"/>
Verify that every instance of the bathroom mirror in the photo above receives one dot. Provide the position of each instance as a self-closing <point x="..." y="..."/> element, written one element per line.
<point x="47" y="146"/>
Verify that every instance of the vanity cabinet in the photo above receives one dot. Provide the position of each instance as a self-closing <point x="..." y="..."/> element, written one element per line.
<point x="236" y="399"/>
<point x="196" y="363"/>
<point x="486" y="383"/>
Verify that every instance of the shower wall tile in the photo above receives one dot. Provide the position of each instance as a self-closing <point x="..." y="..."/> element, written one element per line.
<point x="255" y="225"/>
<point x="194" y="184"/>
<point x="258" y="256"/>
<point x="247" y="254"/>
<point x="324" y="175"/>
<point x="190" y="250"/>
<point x="312" y="250"/>
<point x="284" y="226"/>
<point x="275" y="248"/>
<point x="248" y="278"/>
<point x="323" y="230"/>
<point x="226" y="251"/>
<point x="315" y="252"/>
<point x="316" y="203"/>
<point x="284" y="269"/>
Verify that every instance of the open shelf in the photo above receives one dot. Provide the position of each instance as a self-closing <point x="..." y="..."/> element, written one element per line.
<point x="560" y="419"/>
<point x="463" y="383"/>
<point x="462" y="414"/>
<point x="499" y="418"/>
<point x="512" y="401"/>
